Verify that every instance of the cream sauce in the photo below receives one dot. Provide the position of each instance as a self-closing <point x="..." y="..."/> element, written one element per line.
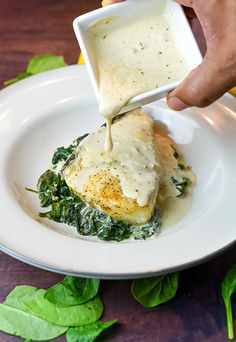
<point x="133" y="55"/>
<point x="144" y="159"/>
<point x="134" y="159"/>
<point x="108" y="139"/>
<point x="173" y="165"/>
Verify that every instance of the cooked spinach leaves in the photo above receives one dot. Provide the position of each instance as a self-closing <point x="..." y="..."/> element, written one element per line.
<point x="63" y="153"/>
<point x="175" y="153"/>
<point x="70" y="209"/>
<point x="95" y="222"/>
<point x="52" y="189"/>
<point x="180" y="185"/>
<point x="152" y="227"/>
<point x="66" y="207"/>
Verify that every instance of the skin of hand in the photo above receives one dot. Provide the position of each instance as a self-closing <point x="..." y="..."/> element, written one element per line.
<point x="109" y="2"/>
<point x="217" y="73"/>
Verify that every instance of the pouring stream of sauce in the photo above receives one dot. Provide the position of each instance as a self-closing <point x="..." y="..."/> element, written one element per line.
<point x="133" y="55"/>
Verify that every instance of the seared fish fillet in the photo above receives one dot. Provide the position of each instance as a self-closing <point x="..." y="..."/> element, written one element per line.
<point x="124" y="182"/>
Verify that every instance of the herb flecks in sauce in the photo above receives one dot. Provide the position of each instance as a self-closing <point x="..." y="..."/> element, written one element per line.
<point x="125" y="59"/>
<point x="70" y="209"/>
<point x="66" y="207"/>
<point x="134" y="152"/>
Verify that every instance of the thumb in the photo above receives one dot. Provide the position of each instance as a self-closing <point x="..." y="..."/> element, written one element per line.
<point x="109" y="2"/>
<point x="204" y="85"/>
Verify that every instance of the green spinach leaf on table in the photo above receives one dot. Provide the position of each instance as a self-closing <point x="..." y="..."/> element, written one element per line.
<point x="153" y="291"/>
<point x="88" y="333"/>
<point x="86" y="313"/>
<point x="16" y="318"/>
<point x="33" y="300"/>
<point x="72" y="291"/>
<point x="228" y="288"/>
<point x="39" y="63"/>
<point x="20" y="77"/>
<point x="45" y="62"/>
<point x="19" y="295"/>
<point x="26" y="325"/>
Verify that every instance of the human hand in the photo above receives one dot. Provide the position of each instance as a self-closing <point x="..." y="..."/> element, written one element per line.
<point x="109" y="2"/>
<point x="217" y="73"/>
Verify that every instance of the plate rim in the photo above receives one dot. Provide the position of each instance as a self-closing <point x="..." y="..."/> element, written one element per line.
<point x="65" y="73"/>
<point x="114" y="276"/>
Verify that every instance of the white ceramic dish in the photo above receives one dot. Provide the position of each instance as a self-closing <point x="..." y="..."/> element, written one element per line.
<point x="50" y="110"/>
<point x="183" y="37"/>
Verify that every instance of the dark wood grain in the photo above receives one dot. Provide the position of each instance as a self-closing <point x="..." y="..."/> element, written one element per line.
<point x="30" y="27"/>
<point x="195" y="314"/>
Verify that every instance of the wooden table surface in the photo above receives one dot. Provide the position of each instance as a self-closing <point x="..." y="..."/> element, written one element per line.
<point x="30" y="27"/>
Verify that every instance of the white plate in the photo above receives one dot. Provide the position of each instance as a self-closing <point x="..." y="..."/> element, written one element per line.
<point x="50" y="110"/>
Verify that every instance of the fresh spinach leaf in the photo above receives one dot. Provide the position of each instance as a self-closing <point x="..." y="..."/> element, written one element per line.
<point x="19" y="295"/>
<point x="17" y="78"/>
<point x="228" y="288"/>
<point x="72" y="291"/>
<point x="86" y="313"/>
<point x="45" y="62"/>
<point x="37" y="64"/>
<point x="153" y="291"/>
<point x="32" y="300"/>
<point x="20" y="323"/>
<point x="87" y="333"/>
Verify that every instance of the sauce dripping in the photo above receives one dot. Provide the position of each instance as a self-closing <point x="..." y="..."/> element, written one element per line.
<point x="133" y="54"/>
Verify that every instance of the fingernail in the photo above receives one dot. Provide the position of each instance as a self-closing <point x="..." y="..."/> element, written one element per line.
<point x="176" y="104"/>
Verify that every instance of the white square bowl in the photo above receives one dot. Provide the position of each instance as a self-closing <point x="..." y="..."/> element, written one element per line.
<point x="182" y="34"/>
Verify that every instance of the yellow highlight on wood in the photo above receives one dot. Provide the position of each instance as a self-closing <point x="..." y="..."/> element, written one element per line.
<point x="233" y="91"/>
<point x="81" y="59"/>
